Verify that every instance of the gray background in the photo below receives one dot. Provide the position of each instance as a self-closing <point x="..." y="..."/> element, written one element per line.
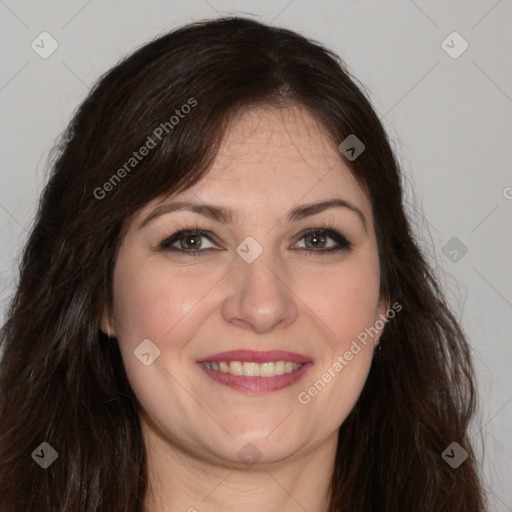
<point x="449" y="120"/>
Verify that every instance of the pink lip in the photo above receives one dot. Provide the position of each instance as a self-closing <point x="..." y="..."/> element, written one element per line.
<point x="253" y="356"/>
<point x="256" y="384"/>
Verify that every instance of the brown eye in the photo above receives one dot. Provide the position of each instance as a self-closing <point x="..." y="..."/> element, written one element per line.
<point x="190" y="242"/>
<point x="318" y="241"/>
<point x="187" y="241"/>
<point x="322" y="240"/>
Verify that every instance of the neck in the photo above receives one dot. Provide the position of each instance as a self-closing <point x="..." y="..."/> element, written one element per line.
<point x="180" y="480"/>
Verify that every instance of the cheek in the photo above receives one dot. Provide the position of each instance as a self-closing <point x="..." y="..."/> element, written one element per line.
<point x="345" y="302"/>
<point x="150" y="301"/>
<point x="344" y="299"/>
<point x="153" y="302"/>
<point x="354" y="310"/>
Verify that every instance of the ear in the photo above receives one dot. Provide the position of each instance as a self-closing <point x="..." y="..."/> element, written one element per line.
<point x="105" y="324"/>
<point x="381" y="318"/>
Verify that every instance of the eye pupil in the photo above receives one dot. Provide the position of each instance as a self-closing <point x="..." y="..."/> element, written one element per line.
<point x="190" y="241"/>
<point x="315" y="238"/>
<point x="194" y="244"/>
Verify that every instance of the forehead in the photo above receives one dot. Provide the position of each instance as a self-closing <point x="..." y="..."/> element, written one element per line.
<point x="272" y="159"/>
<point x="287" y="149"/>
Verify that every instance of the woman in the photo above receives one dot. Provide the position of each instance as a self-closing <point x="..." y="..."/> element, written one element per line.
<point x="221" y="303"/>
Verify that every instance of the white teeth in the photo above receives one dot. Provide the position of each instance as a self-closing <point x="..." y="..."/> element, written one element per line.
<point x="251" y="369"/>
<point x="235" y="368"/>
<point x="248" y="369"/>
<point x="280" y="366"/>
<point x="267" y="369"/>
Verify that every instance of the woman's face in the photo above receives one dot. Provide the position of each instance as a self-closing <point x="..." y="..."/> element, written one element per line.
<point x="264" y="280"/>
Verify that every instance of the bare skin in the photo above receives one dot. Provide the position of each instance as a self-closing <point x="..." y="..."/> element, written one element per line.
<point x="272" y="160"/>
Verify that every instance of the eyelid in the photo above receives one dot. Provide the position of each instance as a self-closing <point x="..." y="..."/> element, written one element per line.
<point x="166" y="241"/>
<point x="343" y="243"/>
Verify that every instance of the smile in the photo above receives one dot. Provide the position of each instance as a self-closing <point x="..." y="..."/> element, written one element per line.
<point x="250" y="369"/>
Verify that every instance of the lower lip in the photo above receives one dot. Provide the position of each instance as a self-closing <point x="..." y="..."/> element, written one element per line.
<point x="257" y="384"/>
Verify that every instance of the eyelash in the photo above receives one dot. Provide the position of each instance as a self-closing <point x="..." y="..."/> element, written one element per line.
<point x="327" y="229"/>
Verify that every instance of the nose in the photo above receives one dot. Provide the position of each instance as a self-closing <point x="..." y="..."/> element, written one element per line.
<point x="259" y="295"/>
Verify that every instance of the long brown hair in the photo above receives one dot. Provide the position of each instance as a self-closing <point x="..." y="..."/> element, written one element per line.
<point x="62" y="380"/>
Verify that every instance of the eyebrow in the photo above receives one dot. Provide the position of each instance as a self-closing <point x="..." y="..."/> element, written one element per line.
<point x="224" y="215"/>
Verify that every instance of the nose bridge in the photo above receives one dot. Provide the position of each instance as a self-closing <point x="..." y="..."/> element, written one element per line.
<point x="259" y="297"/>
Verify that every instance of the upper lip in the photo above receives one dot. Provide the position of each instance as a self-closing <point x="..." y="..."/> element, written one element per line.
<point x="254" y="356"/>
